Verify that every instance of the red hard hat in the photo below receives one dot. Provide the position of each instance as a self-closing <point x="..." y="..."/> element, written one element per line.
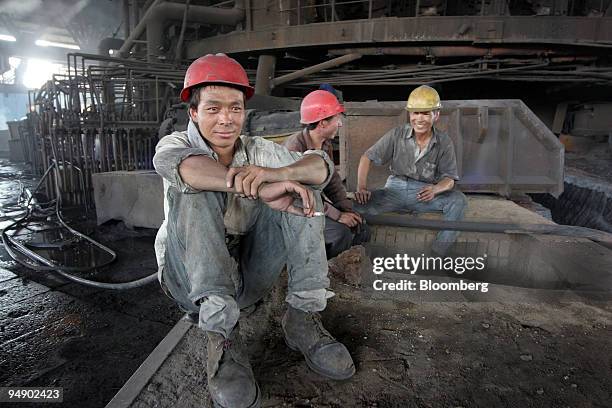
<point x="319" y="105"/>
<point x="218" y="69"/>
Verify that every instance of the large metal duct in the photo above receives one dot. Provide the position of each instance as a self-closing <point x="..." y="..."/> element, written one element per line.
<point x="162" y="11"/>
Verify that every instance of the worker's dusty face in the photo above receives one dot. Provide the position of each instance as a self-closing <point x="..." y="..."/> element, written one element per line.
<point x="332" y="126"/>
<point x="219" y="116"/>
<point x="422" y="122"/>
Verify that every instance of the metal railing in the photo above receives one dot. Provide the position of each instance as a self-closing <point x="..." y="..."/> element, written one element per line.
<point x="306" y="12"/>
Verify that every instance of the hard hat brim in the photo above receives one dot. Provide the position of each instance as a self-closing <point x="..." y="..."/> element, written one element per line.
<point x="248" y="90"/>
<point x="424" y="109"/>
<point x="340" y="109"/>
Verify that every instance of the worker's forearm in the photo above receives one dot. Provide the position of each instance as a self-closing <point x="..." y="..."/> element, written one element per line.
<point x="310" y="169"/>
<point x="204" y="173"/>
<point x="444" y="185"/>
<point x="362" y="172"/>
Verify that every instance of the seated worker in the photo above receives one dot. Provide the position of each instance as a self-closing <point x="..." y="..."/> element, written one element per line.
<point x="423" y="168"/>
<point x="217" y="182"/>
<point x="321" y="113"/>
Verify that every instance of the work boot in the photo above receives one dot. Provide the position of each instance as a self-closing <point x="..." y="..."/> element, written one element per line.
<point x="324" y="354"/>
<point x="230" y="378"/>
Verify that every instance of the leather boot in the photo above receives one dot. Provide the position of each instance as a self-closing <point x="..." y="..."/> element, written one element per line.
<point x="324" y="354"/>
<point x="230" y="378"/>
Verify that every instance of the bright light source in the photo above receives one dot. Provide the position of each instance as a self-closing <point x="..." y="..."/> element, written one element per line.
<point x="14" y="62"/>
<point x="45" y="43"/>
<point x="6" y="37"/>
<point x="111" y="52"/>
<point x="38" y="72"/>
<point x="8" y="77"/>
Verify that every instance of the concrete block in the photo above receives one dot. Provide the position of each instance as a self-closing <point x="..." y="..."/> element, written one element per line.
<point x="134" y="197"/>
<point x="4" y="142"/>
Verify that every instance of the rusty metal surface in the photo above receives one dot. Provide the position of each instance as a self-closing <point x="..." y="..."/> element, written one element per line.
<point x="365" y="123"/>
<point x="501" y="146"/>
<point x="460" y="30"/>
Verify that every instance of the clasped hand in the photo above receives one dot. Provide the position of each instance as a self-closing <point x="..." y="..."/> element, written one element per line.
<point x="271" y="186"/>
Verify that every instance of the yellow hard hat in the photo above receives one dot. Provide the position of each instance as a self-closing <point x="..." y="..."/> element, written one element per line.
<point x="423" y="99"/>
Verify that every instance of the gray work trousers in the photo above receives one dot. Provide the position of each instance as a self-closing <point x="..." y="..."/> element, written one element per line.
<point x="339" y="237"/>
<point x="203" y="277"/>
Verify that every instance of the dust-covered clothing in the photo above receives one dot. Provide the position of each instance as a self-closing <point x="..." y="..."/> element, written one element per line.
<point x="194" y="261"/>
<point x="398" y="147"/>
<point x="338" y="236"/>
<point x="412" y="169"/>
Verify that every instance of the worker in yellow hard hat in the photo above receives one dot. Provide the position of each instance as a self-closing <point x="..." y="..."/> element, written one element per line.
<point x="423" y="168"/>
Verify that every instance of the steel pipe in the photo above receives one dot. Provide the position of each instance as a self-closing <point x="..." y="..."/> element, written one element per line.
<point x="265" y="73"/>
<point x="601" y="237"/>
<point x="161" y="11"/>
<point x="313" y="69"/>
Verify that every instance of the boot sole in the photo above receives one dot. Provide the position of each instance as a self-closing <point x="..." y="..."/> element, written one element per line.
<point x="318" y="369"/>
<point x="255" y="404"/>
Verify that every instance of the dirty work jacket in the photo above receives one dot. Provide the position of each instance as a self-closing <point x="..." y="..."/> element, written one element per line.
<point x="239" y="217"/>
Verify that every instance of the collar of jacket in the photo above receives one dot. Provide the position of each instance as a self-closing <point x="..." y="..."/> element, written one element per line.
<point x="307" y="140"/>
<point x="434" y="134"/>
<point x="196" y="140"/>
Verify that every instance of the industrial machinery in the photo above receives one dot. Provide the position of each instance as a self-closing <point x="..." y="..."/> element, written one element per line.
<point x="105" y="113"/>
<point x="550" y="60"/>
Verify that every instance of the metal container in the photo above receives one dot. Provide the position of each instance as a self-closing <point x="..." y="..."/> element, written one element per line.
<point x="501" y="145"/>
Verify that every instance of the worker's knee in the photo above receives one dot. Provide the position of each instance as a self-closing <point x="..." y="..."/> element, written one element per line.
<point x="338" y="238"/>
<point x="456" y="201"/>
<point x="460" y="199"/>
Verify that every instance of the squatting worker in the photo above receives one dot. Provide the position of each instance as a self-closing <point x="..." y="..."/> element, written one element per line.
<point x="423" y="168"/>
<point x="321" y="115"/>
<point x="217" y="182"/>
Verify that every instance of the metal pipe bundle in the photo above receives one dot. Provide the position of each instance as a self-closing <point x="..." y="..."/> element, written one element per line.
<point x="98" y="118"/>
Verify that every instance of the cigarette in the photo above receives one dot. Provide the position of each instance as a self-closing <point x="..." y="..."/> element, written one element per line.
<point x="318" y="214"/>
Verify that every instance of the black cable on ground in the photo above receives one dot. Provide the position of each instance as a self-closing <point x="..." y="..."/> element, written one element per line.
<point x="37" y="262"/>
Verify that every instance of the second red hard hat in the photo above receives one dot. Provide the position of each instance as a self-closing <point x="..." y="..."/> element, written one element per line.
<point x="319" y="105"/>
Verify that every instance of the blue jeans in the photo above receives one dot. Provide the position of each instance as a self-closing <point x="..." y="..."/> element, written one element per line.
<point x="400" y="195"/>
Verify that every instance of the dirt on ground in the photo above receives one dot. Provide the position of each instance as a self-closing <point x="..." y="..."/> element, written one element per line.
<point x="511" y="347"/>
